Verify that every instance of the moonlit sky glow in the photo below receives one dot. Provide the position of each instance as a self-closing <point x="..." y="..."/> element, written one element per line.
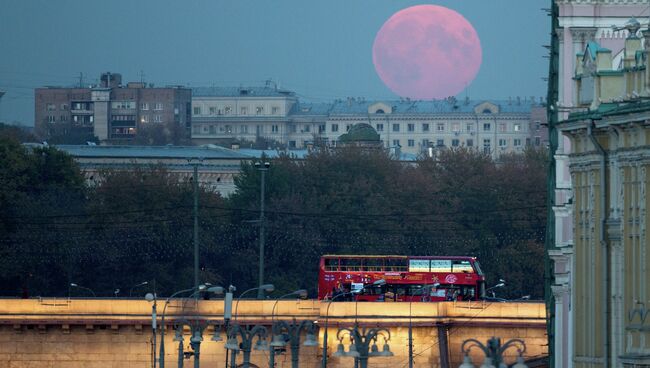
<point x="426" y="52"/>
<point x="322" y="50"/>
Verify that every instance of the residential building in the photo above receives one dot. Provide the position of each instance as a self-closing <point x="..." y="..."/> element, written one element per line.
<point x="606" y="276"/>
<point x="579" y="22"/>
<point x="113" y="112"/>
<point x="273" y="116"/>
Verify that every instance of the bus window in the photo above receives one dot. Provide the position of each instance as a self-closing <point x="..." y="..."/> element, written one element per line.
<point x="397" y="264"/>
<point x="350" y="264"/>
<point x="331" y="264"/>
<point x="373" y="264"/>
<point x="461" y="266"/>
<point x="418" y="265"/>
<point x="441" y="265"/>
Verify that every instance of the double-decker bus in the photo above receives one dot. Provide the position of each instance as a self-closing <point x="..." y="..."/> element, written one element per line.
<point x="407" y="278"/>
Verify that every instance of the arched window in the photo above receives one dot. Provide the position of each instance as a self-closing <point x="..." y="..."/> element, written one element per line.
<point x="379" y="111"/>
<point x="487" y="111"/>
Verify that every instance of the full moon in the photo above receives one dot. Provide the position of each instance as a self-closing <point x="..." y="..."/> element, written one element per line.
<point x="427" y="52"/>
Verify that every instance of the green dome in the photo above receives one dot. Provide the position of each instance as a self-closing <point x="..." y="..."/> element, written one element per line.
<point x="361" y="132"/>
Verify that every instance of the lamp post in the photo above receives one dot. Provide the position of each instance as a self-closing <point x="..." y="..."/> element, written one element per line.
<point x="137" y="285"/>
<point x="263" y="168"/>
<point x="195" y="162"/>
<point x="279" y="340"/>
<point x="214" y="289"/>
<point x="293" y="330"/>
<point x="327" y="312"/>
<point x="426" y="289"/>
<point x="360" y="347"/>
<point x="262" y="288"/>
<point x="72" y="284"/>
<point x="247" y="334"/>
<point x="152" y="298"/>
<point x="501" y="284"/>
<point x="493" y="352"/>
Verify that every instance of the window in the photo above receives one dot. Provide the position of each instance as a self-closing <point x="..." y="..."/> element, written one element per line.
<point x="63" y="118"/>
<point x="425" y="143"/>
<point x="503" y="142"/>
<point x="292" y="144"/>
<point x="274" y="128"/>
<point x="50" y="107"/>
<point x="425" y="127"/>
<point x="486" y="146"/>
<point x="396" y="127"/>
<point x="259" y="110"/>
<point x="380" y="127"/>
<point x="486" y="127"/>
<point x="243" y="129"/>
<point x="411" y="143"/>
<point x="538" y="141"/>
<point x="527" y="141"/>
<point x="335" y="127"/>
<point x="410" y="127"/>
<point x="228" y="110"/>
<point x="440" y="142"/>
<point x="516" y="142"/>
<point x="455" y="142"/>
<point x="469" y="127"/>
<point x="157" y="119"/>
<point x="243" y="110"/>
<point x="123" y="105"/>
<point x="276" y="110"/>
<point x="517" y="127"/>
<point x="307" y="128"/>
<point x="213" y="129"/>
<point x="196" y="129"/>
<point x="455" y="127"/>
<point x="158" y="106"/>
<point x="503" y="127"/>
<point x="213" y="110"/>
<point x="441" y="127"/>
<point x="197" y="110"/>
<point x="396" y="142"/>
<point x="51" y="119"/>
<point x="205" y="129"/>
<point x="144" y="118"/>
<point x="469" y="143"/>
<point x="538" y="125"/>
<point x="292" y="128"/>
<point x="144" y="106"/>
<point x="347" y="127"/>
<point x="321" y="128"/>
<point x="64" y="107"/>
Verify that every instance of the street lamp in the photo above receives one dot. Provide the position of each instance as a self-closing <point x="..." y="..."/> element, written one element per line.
<point x="72" y="284"/>
<point x="501" y="284"/>
<point x="360" y="340"/>
<point x="262" y="168"/>
<point x="493" y="352"/>
<point x="195" y="162"/>
<point x="293" y="330"/>
<point x="278" y="339"/>
<point x="327" y="312"/>
<point x="137" y="285"/>
<point x="247" y="334"/>
<point x="153" y="298"/>
<point x="262" y="288"/>
<point x="200" y="288"/>
<point x="425" y="289"/>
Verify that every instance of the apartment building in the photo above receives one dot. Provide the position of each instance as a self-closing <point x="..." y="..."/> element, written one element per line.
<point x="114" y="112"/>
<point x="223" y="115"/>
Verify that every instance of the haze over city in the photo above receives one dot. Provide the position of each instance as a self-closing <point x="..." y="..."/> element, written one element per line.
<point x="321" y="50"/>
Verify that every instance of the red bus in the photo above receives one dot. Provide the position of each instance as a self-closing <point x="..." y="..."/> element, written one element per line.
<point x="407" y="278"/>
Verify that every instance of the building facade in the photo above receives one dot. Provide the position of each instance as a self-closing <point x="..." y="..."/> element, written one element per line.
<point x="225" y="115"/>
<point x="607" y="164"/>
<point x="580" y="22"/>
<point x="113" y="112"/>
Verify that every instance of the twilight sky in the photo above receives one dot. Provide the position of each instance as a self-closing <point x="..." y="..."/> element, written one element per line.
<point x="322" y="50"/>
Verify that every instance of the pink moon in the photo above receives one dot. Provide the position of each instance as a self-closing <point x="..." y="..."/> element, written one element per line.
<point x="427" y="52"/>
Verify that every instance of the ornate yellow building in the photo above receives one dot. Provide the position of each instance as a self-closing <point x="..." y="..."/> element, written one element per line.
<point x="609" y="164"/>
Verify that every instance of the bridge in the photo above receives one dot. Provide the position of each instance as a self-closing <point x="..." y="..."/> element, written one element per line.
<point x="49" y="332"/>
